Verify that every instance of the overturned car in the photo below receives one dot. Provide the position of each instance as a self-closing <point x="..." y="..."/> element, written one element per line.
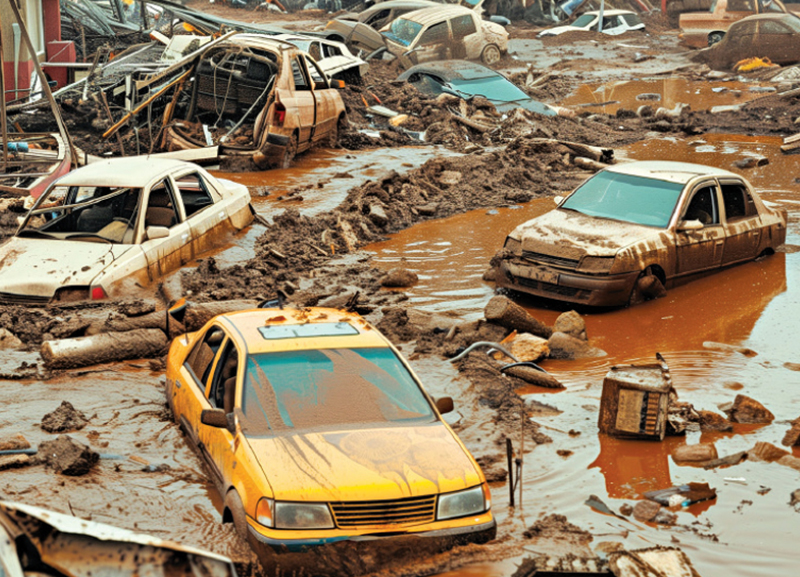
<point x="634" y="229"/>
<point x="259" y="99"/>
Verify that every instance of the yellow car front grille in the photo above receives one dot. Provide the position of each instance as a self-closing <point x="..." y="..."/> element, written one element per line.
<point x="410" y="511"/>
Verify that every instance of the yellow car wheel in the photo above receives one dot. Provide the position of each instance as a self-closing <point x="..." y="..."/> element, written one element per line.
<point x="233" y="503"/>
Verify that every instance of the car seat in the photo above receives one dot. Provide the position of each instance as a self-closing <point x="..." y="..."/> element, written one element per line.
<point x="160" y="211"/>
<point x="228" y="379"/>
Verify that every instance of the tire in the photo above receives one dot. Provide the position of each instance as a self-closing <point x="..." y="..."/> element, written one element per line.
<point x="491" y="54"/>
<point x="290" y="152"/>
<point x="233" y="503"/>
<point x="647" y="287"/>
<point x="715" y="37"/>
<point x="333" y="135"/>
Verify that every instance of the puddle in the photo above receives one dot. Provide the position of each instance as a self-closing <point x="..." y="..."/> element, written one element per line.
<point x="666" y="92"/>
<point x="755" y="304"/>
<point x="319" y="180"/>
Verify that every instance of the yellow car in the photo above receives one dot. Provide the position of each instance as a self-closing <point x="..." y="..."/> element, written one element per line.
<point x="319" y="436"/>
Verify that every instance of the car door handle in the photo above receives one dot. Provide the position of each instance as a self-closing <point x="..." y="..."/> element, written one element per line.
<point x="178" y="383"/>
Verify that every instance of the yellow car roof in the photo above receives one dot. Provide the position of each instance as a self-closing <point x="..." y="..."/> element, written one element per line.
<point x="277" y="330"/>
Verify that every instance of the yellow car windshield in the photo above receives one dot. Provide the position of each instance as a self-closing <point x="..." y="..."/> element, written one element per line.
<point x="301" y="390"/>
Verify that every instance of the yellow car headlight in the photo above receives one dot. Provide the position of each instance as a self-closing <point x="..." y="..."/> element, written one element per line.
<point x="596" y="264"/>
<point x="302" y="516"/>
<point x="461" y="504"/>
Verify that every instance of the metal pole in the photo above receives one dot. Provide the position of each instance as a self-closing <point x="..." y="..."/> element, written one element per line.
<point x="600" y="16"/>
<point x="510" y="458"/>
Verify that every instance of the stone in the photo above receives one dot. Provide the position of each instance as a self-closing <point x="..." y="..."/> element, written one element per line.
<point x="399" y="278"/>
<point x="748" y="410"/>
<point x="795" y="498"/>
<point x="645" y="511"/>
<point x="792" y="436"/>
<point x="490" y="275"/>
<point x="67" y="456"/>
<point x="527" y="347"/>
<point x="563" y="346"/>
<point x="711" y="421"/>
<point x="378" y="215"/>
<point x="695" y="453"/>
<point x="8" y="340"/>
<point x="626" y="509"/>
<point x="572" y="324"/>
<point x="14" y="461"/>
<point x="14" y="443"/>
<point x="768" y="452"/>
<point x="450" y="177"/>
<point x="789" y="461"/>
<point x="64" y="418"/>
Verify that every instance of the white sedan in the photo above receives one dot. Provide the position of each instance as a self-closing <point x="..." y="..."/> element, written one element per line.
<point x="334" y="58"/>
<point x="115" y="222"/>
<point x="615" y="22"/>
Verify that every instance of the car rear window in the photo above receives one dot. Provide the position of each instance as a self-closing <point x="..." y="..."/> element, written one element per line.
<point x="302" y="390"/>
<point x="625" y="197"/>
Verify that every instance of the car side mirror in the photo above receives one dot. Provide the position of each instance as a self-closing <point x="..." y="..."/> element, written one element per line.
<point x="154" y="232"/>
<point x="217" y="418"/>
<point x="689" y="225"/>
<point x="558" y="199"/>
<point x="444" y="405"/>
<point x="337" y="84"/>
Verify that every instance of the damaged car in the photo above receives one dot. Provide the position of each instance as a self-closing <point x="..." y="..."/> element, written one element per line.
<point x="615" y="22"/>
<point x="334" y="58"/>
<point x="35" y="541"/>
<point x="774" y="36"/>
<point x="701" y="29"/>
<point x="321" y="439"/>
<point x="104" y="228"/>
<point x="469" y="79"/>
<point x="259" y="99"/>
<point x="632" y="230"/>
<point x="445" y="33"/>
<point x="361" y="30"/>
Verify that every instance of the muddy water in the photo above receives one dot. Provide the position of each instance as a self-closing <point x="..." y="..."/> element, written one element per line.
<point x="749" y="530"/>
<point x="666" y="92"/>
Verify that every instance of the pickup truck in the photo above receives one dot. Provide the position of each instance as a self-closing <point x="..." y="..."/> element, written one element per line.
<point x="702" y="29"/>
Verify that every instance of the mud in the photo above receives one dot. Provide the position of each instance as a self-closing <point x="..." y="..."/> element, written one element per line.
<point x="65" y="418"/>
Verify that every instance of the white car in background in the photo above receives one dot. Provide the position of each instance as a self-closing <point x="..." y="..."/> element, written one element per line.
<point x="615" y="22"/>
<point x="334" y="58"/>
<point x="114" y="224"/>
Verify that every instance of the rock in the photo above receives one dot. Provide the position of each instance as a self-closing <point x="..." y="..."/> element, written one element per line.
<point x="665" y="517"/>
<point x="67" y="456"/>
<point x="14" y="443"/>
<point x="792" y="436"/>
<point x="14" y="461"/>
<point x="399" y="278"/>
<point x="563" y="346"/>
<point x="747" y="410"/>
<point x="723" y="347"/>
<point x="768" y="452"/>
<point x="428" y="209"/>
<point x="795" y="498"/>
<point x="450" y="177"/>
<point x="490" y="275"/>
<point x="711" y="421"/>
<point x="572" y="324"/>
<point x="645" y="511"/>
<point x="378" y="215"/>
<point x="527" y="347"/>
<point x="726" y="461"/>
<point x="64" y="418"/>
<point x="626" y="509"/>
<point x="751" y="162"/>
<point x="8" y="340"/>
<point x="789" y="461"/>
<point x="694" y="453"/>
<point x="606" y="547"/>
<point x="645" y="111"/>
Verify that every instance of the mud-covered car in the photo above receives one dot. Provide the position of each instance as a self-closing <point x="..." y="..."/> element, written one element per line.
<point x="615" y="22"/>
<point x="775" y="36"/>
<point x="334" y="58"/>
<point x="35" y="541"/>
<point x="361" y="30"/>
<point x="445" y="33"/>
<point x="701" y="29"/>
<point x="317" y="433"/>
<point x="113" y="224"/>
<point x="256" y="98"/>
<point x="634" y="229"/>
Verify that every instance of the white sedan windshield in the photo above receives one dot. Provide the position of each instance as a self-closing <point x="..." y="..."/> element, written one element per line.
<point x="626" y="197"/>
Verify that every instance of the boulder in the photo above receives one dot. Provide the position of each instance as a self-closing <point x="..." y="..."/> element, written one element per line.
<point x="695" y="453"/>
<point x="14" y="443"/>
<point x="572" y="324"/>
<point x="8" y="340"/>
<point x="645" y="511"/>
<point x="747" y="410"/>
<point x="711" y="421"/>
<point x="768" y="452"/>
<point x="14" y="461"/>
<point x="527" y="347"/>
<point x="563" y="346"/>
<point x="792" y="436"/>
<point x="67" y="456"/>
<point x="399" y="278"/>
<point x="64" y="418"/>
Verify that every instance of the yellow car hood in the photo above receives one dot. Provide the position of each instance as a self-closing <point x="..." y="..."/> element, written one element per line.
<point x="365" y="464"/>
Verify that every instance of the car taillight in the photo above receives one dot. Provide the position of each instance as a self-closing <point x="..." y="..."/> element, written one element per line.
<point x="98" y="293"/>
<point x="280" y="114"/>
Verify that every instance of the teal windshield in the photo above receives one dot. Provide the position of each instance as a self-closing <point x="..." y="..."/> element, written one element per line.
<point x="625" y="197"/>
<point x="403" y="31"/>
<point x="494" y="88"/>
<point x="302" y="390"/>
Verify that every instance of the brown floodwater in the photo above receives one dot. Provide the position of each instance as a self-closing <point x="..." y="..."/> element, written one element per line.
<point x="749" y="529"/>
<point x="666" y="92"/>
